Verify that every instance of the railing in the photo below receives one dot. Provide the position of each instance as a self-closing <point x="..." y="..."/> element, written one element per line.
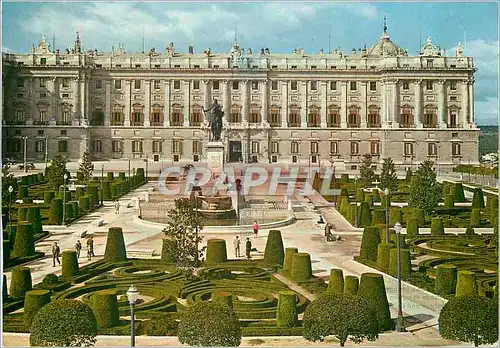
<point x="176" y="124"/>
<point x="137" y="124"/>
<point x="275" y="124"/>
<point x="41" y="123"/>
<point x="156" y="124"/>
<point x="117" y="123"/>
<point x="14" y="122"/>
<point x="353" y="125"/>
<point x="293" y="124"/>
<point x="430" y="125"/>
<point x="333" y="125"/>
<point x="313" y="125"/>
<point x="194" y="124"/>
<point x="67" y="123"/>
<point x="374" y="125"/>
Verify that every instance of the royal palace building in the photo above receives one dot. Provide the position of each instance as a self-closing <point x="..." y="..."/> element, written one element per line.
<point x="326" y="108"/>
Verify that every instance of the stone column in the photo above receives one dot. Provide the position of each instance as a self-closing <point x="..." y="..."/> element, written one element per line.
<point x="395" y="104"/>
<point x="441" y="104"/>
<point x="284" y="104"/>
<point x="206" y="95"/>
<point x="147" y="103"/>
<point x="30" y="115"/>
<point x="127" y="96"/>
<point x="324" y="103"/>
<point x="464" y="112"/>
<point x="343" y="104"/>
<point x="83" y="98"/>
<point x="383" y="105"/>
<point x="226" y="102"/>
<point x="304" y="96"/>
<point x="472" y="116"/>
<point x="265" y="102"/>
<point x="245" y="100"/>
<point x="107" y="110"/>
<point x="418" y="116"/>
<point x="55" y="98"/>
<point x="187" y="101"/>
<point x="364" y="104"/>
<point x="244" y="149"/>
<point x="87" y="99"/>
<point x="166" y="103"/>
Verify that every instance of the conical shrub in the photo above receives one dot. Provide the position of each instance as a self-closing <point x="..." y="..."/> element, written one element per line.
<point x="364" y="215"/>
<point x="69" y="264"/>
<point x="301" y="267"/>
<point x="458" y="193"/>
<point x="105" y="307"/>
<point x="412" y="227"/>
<point x="369" y="199"/>
<point x="20" y="282"/>
<point x="376" y="195"/>
<point x="336" y="281"/>
<point x="369" y="243"/>
<point x="286" y="313"/>
<point x="24" y="244"/>
<point x="33" y="215"/>
<point x="216" y="251"/>
<point x="478" y="199"/>
<point x="446" y="279"/>
<point x="56" y="211"/>
<point x="466" y="283"/>
<point x="115" y="246"/>
<point x="22" y="211"/>
<point x="395" y="215"/>
<point x="22" y="192"/>
<point x="372" y="290"/>
<point x="274" y="253"/>
<point x="84" y="203"/>
<point x="351" y="285"/>
<point x="344" y="205"/>
<point x="378" y="216"/>
<point x="287" y="264"/>
<point x="475" y="218"/>
<point x="405" y="263"/>
<point x="48" y="196"/>
<point x="106" y="190"/>
<point x="448" y="201"/>
<point x="33" y="301"/>
<point x="437" y="228"/>
<point x="384" y="255"/>
<point x="360" y="195"/>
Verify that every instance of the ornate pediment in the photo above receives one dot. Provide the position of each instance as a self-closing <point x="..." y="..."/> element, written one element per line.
<point x="43" y="47"/>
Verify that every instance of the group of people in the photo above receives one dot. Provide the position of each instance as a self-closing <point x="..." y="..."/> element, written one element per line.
<point x="56" y="251"/>
<point x="248" y="247"/>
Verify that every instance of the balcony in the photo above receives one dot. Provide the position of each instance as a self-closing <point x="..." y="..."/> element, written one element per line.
<point x="116" y="123"/>
<point x="137" y="124"/>
<point x="41" y="123"/>
<point x="15" y="122"/>
<point x="313" y="125"/>
<point x="353" y="125"/>
<point x="333" y="125"/>
<point x="176" y="124"/>
<point x="156" y="124"/>
<point x="374" y="125"/>
<point x="430" y="125"/>
<point x="275" y="124"/>
<point x="194" y="124"/>
<point x="406" y="125"/>
<point x="294" y="124"/>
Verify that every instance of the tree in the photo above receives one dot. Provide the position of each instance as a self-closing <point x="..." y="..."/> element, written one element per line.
<point x="86" y="167"/>
<point x="181" y="230"/>
<point x="8" y="180"/>
<point x="56" y="171"/>
<point x="425" y="191"/>
<point x="209" y="324"/>
<point x="367" y="175"/>
<point x="470" y="318"/>
<point x="64" y="323"/>
<point x="341" y="315"/>
<point x="388" y="177"/>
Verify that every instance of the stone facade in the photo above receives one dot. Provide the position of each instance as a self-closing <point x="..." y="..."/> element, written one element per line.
<point x="325" y="108"/>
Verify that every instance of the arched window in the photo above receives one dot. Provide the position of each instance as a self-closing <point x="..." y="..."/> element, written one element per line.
<point x="137" y="118"/>
<point x="430" y="116"/>
<point x="373" y="116"/>
<point x="235" y="115"/>
<point x="196" y="116"/>
<point x="406" y="118"/>
<point x="176" y="118"/>
<point x="313" y="117"/>
<point x="353" y="119"/>
<point x="453" y="116"/>
<point x="156" y="118"/>
<point x="294" y="116"/>
<point x="333" y="117"/>
<point x="255" y="116"/>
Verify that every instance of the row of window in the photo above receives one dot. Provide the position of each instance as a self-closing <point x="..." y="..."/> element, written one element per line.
<point x="313" y="85"/>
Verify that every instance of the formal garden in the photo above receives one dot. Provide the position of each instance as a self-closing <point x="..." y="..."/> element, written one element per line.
<point x="37" y="200"/>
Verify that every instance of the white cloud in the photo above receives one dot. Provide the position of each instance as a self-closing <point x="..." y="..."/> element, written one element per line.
<point x="487" y="111"/>
<point x="367" y="11"/>
<point x="7" y="50"/>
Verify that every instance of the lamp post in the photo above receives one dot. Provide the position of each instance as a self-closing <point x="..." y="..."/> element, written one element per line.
<point x="386" y="197"/>
<point x="10" y="206"/>
<point x="356" y="202"/>
<point x="132" y="296"/>
<point x="399" y="323"/>
<point x="46" y="151"/>
<point x="25" y="138"/>
<point x="102" y="179"/>
<point x="196" y="225"/>
<point x="146" y="160"/>
<point x="64" y="198"/>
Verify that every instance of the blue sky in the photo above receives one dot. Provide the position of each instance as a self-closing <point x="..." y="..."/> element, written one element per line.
<point x="281" y="26"/>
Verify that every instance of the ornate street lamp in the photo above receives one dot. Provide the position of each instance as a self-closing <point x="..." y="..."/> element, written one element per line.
<point x="64" y="198"/>
<point x="386" y="197"/>
<point x="132" y="296"/>
<point x="399" y="322"/>
<point x="10" y="206"/>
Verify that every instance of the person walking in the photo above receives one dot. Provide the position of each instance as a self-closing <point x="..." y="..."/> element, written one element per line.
<point x="255" y="228"/>
<point x="248" y="247"/>
<point x="56" y="251"/>
<point x="78" y="248"/>
<point x="90" y="245"/>
<point x="236" y="244"/>
<point x="117" y="207"/>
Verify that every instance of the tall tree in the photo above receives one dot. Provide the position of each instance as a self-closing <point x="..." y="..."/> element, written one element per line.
<point x="7" y="180"/>
<point x="388" y="177"/>
<point x="56" y="172"/>
<point x="425" y="191"/>
<point x="367" y="174"/>
<point x="181" y="230"/>
<point x="86" y="167"/>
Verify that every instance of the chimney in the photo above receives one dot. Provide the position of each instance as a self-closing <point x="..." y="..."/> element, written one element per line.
<point x="191" y="49"/>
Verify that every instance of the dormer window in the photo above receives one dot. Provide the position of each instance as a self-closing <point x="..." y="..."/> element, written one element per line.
<point x="430" y="63"/>
<point x="43" y="61"/>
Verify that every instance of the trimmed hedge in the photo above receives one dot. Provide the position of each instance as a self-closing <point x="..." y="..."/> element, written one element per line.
<point x="376" y="195"/>
<point x="466" y="283"/>
<point x="301" y="267"/>
<point x="437" y="228"/>
<point x="56" y="211"/>
<point x="24" y="244"/>
<point x="48" y="196"/>
<point x="360" y="195"/>
<point x="351" y="285"/>
<point x="274" y="253"/>
<point x="369" y="199"/>
<point x="6" y="252"/>
<point x="110" y="176"/>
<point x="412" y="227"/>
<point x="336" y="281"/>
<point x="378" y="216"/>
<point x="5" y="295"/>
<point x="70" y="214"/>
<point x="458" y="193"/>
<point x="106" y="190"/>
<point x="69" y="264"/>
<point x="22" y="192"/>
<point x="286" y="313"/>
<point x="167" y="254"/>
<point x="216" y="251"/>
<point x="287" y="263"/>
<point x="139" y="173"/>
<point x="475" y="218"/>
<point x="344" y="205"/>
<point x="383" y="255"/>
<point x="33" y="215"/>
<point x="448" y="201"/>
<point x="405" y="263"/>
<point x="21" y="213"/>
<point x="372" y="290"/>
<point x="93" y="192"/>
<point x="369" y="243"/>
<point x="33" y="301"/>
<point x="395" y="215"/>
<point x="104" y="304"/>
<point x="113" y="190"/>
<point x="364" y="215"/>
<point x="115" y="246"/>
<point x="84" y="203"/>
<point x="223" y="297"/>
<point x="446" y="279"/>
<point x="20" y="282"/>
<point x="478" y="199"/>
<point x="79" y="192"/>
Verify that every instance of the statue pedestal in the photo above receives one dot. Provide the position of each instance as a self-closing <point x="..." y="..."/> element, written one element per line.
<point x="215" y="157"/>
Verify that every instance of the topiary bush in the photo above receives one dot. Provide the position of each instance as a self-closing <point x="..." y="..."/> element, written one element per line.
<point x="6" y="252"/>
<point x="168" y="251"/>
<point x="378" y="216"/>
<point x="49" y="280"/>
<point x="139" y="173"/>
<point x="418" y="214"/>
<point x="351" y="214"/>
<point x="351" y="285"/>
<point x="301" y="267"/>
<point x="344" y="205"/>
<point x="5" y="295"/>
<point x="369" y="199"/>
<point x="115" y="246"/>
<point x="64" y="323"/>
<point x="33" y="215"/>
<point x="274" y="253"/>
<point x="341" y="315"/>
<point x="106" y="190"/>
<point x="287" y="263"/>
<point x="336" y="282"/>
<point x="113" y="190"/>
<point x="216" y="251"/>
<point x="376" y="195"/>
<point x="372" y="290"/>
<point x="21" y="213"/>
<point x="110" y="176"/>
<point x="344" y="178"/>
<point x="383" y="255"/>
<point x="446" y="279"/>
<point x="360" y="195"/>
<point x="24" y="244"/>
<point x="48" y="196"/>
<point x="20" y="282"/>
<point x="70" y="214"/>
<point x="105" y="307"/>
<point x="224" y="297"/>
<point x="369" y="243"/>
<point x="469" y="231"/>
<point x="84" y="203"/>
<point x="364" y="215"/>
<point x="466" y="283"/>
<point x="74" y="208"/>
<point x="405" y="263"/>
<point x="478" y="199"/>
<point x="448" y="201"/>
<point x="33" y="301"/>
<point x="458" y="193"/>
<point x="79" y="192"/>
<point x="93" y="192"/>
<point x="395" y="215"/>
<point x="22" y="192"/>
<point x="475" y="218"/>
<point x="412" y="227"/>
<point x="69" y="264"/>
<point x="286" y="313"/>
<point x="56" y="211"/>
<point x="209" y="324"/>
<point x="437" y="228"/>
<point x="469" y="318"/>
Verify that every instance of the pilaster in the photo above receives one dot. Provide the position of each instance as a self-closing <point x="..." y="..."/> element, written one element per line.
<point x="147" y="103"/>
<point x="472" y="116"/>
<point x="187" y="100"/>
<point x="30" y="115"/>
<point x="441" y="104"/>
<point x="343" y="104"/>
<point x="418" y="117"/>
<point x="324" y="103"/>
<point x="265" y="101"/>
<point x="383" y="105"/>
<point x="107" y="111"/>
<point x="284" y="109"/>
<point x="395" y="104"/>
<point x="303" y="95"/>
<point x="166" y="103"/>
<point x="364" y="102"/>
<point x="226" y="99"/>
<point x="127" y="96"/>
<point x="464" y="112"/>
<point x="245" y="100"/>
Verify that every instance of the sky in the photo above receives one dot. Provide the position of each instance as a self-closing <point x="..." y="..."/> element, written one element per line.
<point x="280" y="26"/>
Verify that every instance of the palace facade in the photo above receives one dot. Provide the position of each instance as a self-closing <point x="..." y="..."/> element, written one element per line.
<point x="327" y="108"/>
